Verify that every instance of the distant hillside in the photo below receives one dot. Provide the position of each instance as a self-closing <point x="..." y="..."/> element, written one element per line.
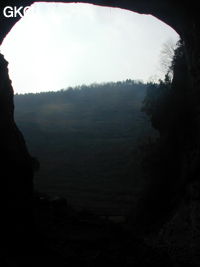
<point x="86" y="139"/>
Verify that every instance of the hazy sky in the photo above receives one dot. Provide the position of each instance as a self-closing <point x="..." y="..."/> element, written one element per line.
<point x="59" y="45"/>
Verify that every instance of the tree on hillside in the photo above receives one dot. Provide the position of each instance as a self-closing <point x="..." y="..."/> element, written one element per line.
<point x="166" y="102"/>
<point x="166" y="57"/>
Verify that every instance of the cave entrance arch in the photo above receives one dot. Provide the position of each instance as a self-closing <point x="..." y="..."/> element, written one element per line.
<point x="54" y="37"/>
<point x="185" y="22"/>
<point x="66" y="164"/>
<point x="182" y="21"/>
<point x="165" y="11"/>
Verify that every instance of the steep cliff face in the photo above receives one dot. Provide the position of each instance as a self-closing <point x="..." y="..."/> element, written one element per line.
<point x="16" y="172"/>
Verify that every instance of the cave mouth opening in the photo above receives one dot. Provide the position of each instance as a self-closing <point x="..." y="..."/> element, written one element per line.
<point x="44" y="125"/>
<point x="57" y="45"/>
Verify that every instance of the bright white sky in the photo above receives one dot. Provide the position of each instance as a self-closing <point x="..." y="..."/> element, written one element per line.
<point x="57" y="45"/>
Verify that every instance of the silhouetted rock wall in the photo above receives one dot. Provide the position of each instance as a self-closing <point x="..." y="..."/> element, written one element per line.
<point x="16" y="172"/>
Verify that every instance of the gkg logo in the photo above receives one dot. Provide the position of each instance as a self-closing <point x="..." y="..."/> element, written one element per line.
<point x="13" y="12"/>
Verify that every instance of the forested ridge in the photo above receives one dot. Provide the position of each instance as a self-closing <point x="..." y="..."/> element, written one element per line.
<point x="87" y="141"/>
